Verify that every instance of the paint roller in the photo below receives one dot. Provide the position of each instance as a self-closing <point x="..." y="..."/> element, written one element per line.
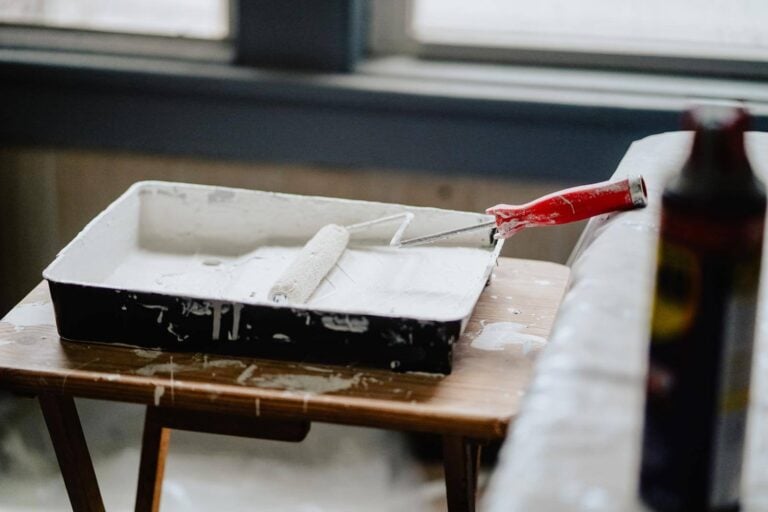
<point x="562" y="207"/>
<point x="322" y="252"/>
<point x="318" y="256"/>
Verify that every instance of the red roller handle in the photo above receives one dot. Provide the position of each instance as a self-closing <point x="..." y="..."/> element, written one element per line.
<point x="570" y="205"/>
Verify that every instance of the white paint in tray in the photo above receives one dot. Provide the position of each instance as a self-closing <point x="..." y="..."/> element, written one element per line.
<point x="422" y="282"/>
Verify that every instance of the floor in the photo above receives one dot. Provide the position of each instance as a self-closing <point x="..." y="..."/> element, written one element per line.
<point x="334" y="469"/>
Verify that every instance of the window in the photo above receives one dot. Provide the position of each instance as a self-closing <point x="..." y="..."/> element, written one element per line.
<point x="726" y="37"/>
<point x="197" y="19"/>
<point x="731" y="28"/>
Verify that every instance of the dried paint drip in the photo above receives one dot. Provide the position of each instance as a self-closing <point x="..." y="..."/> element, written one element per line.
<point x="152" y="369"/>
<point x="216" y="320"/>
<point x="426" y="374"/>
<point x="179" y="337"/>
<point x="160" y="309"/>
<point x="246" y="374"/>
<point x="314" y="384"/>
<point x="499" y="335"/>
<point x="195" y="308"/>
<point x="345" y="323"/>
<point x="147" y="354"/>
<point x="171" y="367"/>
<point x="234" y="334"/>
<point x="223" y="363"/>
<point x="159" y="392"/>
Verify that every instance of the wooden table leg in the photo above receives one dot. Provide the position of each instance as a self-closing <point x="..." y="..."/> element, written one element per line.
<point x="71" y="451"/>
<point x="461" y="461"/>
<point x="160" y="421"/>
<point x="154" y="448"/>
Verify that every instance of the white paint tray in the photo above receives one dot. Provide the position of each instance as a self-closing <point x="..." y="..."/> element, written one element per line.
<point x="188" y="267"/>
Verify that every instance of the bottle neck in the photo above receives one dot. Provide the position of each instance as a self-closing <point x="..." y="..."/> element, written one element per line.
<point x="718" y="149"/>
<point x="717" y="179"/>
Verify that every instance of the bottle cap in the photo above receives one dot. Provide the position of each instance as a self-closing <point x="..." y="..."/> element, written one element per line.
<point x="717" y="116"/>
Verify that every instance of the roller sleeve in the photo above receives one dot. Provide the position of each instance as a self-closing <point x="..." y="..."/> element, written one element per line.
<point x="299" y="281"/>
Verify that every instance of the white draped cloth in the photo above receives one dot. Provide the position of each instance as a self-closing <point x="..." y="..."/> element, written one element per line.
<point x="576" y="443"/>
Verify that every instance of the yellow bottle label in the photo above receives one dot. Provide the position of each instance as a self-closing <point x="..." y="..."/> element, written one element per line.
<point x="678" y="288"/>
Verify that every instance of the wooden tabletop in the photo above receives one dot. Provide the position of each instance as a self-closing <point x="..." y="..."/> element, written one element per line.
<point x="478" y="399"/>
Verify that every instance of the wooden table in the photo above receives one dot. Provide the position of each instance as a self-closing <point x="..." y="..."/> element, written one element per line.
<point x="276" y="399"/>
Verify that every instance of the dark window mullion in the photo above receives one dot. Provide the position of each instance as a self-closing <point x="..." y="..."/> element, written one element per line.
<point x="319" y="35"/>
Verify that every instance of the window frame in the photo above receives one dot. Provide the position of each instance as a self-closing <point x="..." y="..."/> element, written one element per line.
<point x="70" y="40"/>
<point x="391" y="22"/>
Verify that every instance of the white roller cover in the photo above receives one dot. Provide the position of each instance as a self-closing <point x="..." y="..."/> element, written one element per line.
<point x="312" y="264"/>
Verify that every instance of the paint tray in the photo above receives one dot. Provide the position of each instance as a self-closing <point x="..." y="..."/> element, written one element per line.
<point x="188" y="267"/>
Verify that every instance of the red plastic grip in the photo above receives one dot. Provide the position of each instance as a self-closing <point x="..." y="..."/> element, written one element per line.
<point x="570" y="205"/>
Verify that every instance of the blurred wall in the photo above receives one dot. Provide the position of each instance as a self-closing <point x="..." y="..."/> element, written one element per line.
<point x="48" y="195"/>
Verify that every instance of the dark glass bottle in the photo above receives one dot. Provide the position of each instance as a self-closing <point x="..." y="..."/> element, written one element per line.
<point x="702" y="330"/>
